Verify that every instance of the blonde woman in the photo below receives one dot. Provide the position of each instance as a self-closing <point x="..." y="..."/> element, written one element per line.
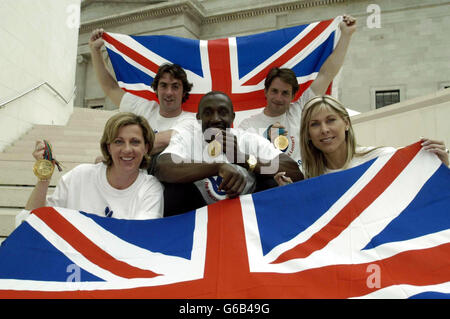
<point x="118" y="187"/>
<point x="327" y="140"/>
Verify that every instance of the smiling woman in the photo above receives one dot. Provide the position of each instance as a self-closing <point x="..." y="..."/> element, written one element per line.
<point x="119" y="187"/>
<point x="327" y="139"/>
<point x="126" y="145"/>
<point x="328" y="144"/>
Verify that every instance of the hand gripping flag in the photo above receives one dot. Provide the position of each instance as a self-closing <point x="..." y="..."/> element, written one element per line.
<point x="379" y="230"/>
<point x="235" y="65"/>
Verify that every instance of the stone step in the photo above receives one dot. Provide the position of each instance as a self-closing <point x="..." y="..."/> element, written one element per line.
<point x="21" y="173"/>
<point x="102" y="117"/>
<point x="86" y="124"/>
<point x="63" y="131"/>
<point x="62" y="157"/>
<point x="63" y="138"/>
<point x="89" y="110"/>
<point x="59" y="144"/>
<point x="15" y="197"/>
<point x="83" y="112"/>
<point x="94" y="118"/>
<point x="25" y="152"/>
<point x="8" y="220"/>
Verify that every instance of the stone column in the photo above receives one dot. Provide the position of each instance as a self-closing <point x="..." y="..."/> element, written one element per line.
<point x="80" y="81"/>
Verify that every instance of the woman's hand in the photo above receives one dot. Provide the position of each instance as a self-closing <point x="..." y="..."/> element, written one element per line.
<point x="436" y="147"/>
<point x="39" y="150"/>
<point x="281" y="179"/>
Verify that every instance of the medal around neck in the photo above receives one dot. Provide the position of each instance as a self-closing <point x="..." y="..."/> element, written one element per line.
<point x="281" y="142"/>
<point x="214" y="148"/>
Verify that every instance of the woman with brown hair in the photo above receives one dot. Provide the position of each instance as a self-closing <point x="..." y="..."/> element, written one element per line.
<point x="119" y="186"/>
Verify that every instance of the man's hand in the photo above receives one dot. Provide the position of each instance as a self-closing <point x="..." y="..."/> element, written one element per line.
<point x="348" y="25"/>
<point x="233" y="182"/>
<point x="276" y="130"/>
<point x="96" y="41"/>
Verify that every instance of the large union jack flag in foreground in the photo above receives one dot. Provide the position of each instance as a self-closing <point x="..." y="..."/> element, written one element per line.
<point x="235" y="65"/>
<point x="379" y="230"/>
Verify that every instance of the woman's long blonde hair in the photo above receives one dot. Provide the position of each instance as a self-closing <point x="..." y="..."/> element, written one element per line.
<point x="314" y="162"/>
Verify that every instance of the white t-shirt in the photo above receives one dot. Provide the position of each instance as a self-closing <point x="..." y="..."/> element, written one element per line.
<point x="358" y="160"/>
<point x="150" y="110"/>
<point x="260" y="122"/>
<point x="86" y="188"/>
<point x="189" y="144"/>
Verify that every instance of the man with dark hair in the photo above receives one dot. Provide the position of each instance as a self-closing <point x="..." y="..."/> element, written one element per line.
<point x="170" y="85"/>
<point x="177" y="72"/>
<point x="279" y="121"/>
<point x="220" y="161"/>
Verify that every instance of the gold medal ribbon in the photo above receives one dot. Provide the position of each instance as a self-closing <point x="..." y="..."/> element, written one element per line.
<point x="48" y="155"/>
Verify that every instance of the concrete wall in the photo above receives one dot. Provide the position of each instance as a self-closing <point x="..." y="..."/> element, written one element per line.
<point x="39" y="44"/>
<point x="404" y="123"/>
<point x="409" y="51"/>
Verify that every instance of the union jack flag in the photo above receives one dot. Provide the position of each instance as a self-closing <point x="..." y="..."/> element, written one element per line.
<point x="379" y="230"/>
<point x="235" y="65"/>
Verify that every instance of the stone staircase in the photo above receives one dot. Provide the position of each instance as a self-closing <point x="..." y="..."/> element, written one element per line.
<point x="77" y="142"/>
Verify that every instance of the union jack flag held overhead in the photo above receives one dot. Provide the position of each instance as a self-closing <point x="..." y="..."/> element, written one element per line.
<point x="235" y="65"/>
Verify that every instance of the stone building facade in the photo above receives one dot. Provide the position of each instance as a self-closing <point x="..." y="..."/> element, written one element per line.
<point x="400" y="47"/>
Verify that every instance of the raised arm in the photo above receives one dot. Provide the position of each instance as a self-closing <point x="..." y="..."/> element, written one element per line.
<point x="39" y="194"/>
<point x="334" y="62"/>
<point x="106" y="80"/>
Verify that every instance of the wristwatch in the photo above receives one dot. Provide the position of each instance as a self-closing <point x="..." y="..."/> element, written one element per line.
<point x="251" y="161"/>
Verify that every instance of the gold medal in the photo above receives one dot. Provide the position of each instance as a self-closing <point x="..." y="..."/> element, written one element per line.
<point x="281" y="142"/>
<point x="43" y="169"/>
<point x="214" y="148"/>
